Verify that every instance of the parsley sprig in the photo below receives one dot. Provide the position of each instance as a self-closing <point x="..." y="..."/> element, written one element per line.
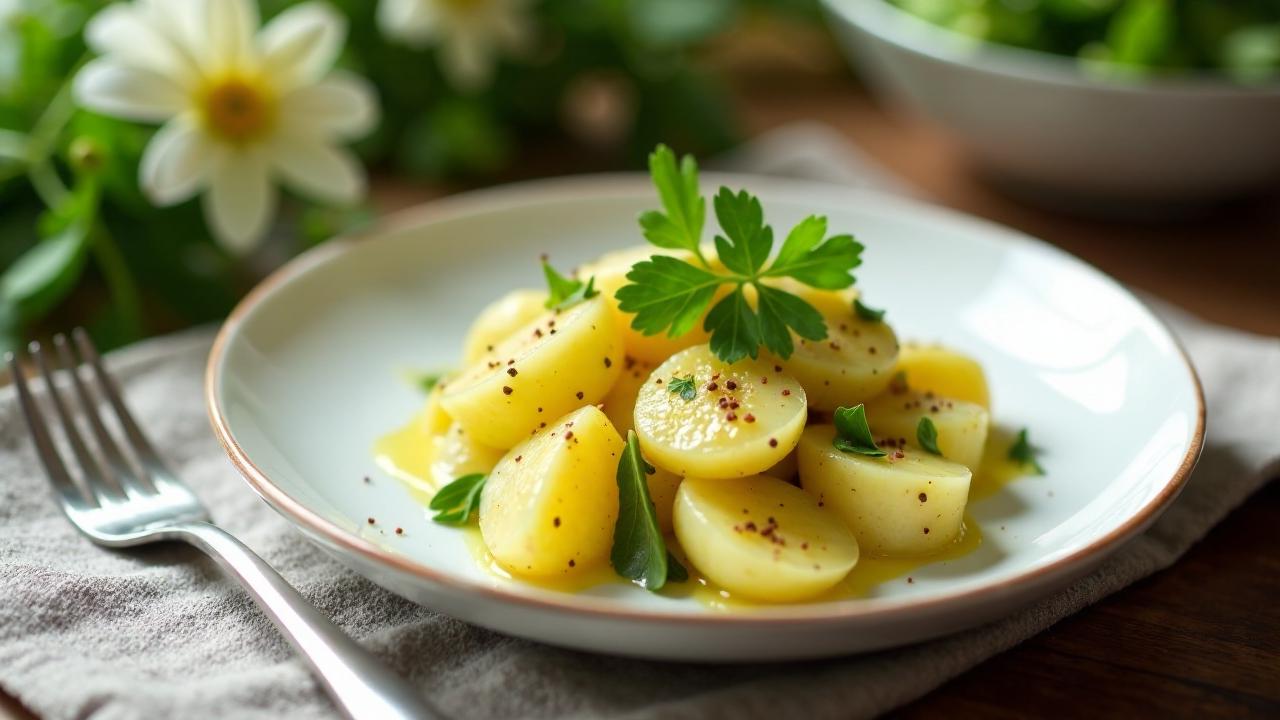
<point x="927" y="436"/>
<point x="670" y="294"/>
<point x="562" y="292"/>
<point x="1024" y="453"/>
<point x="639" y="551"/>
<point x="685" y="387"/>
<point x="853" y="434"/>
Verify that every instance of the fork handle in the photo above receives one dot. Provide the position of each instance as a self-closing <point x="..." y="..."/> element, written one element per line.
<point x="360" y="685"/>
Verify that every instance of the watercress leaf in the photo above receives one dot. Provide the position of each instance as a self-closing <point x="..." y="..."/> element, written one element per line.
<point x="749" y="241"/>
<point x="667" y="293"/>
<point x="1024" y="453"/>
<point x="734" y="328"/>
<point x="639" y="553"/>
<point x="827" y="266"/>
<point x="677" y="185"/>
<point x="454" y="503"/>
<point x="853" y="434"/>
<point x="867" y="313"/>
<point x="675" y="571"/>
<point x="685" y="387"/>
<point x="780" y="313"/>
<point x="927" y="436"/>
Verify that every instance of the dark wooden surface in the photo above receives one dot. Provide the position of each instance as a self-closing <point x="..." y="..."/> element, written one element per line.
<point x="1201" y="639"/>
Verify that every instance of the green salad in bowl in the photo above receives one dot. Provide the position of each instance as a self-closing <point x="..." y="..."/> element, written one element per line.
<point x="1239" y="37"/>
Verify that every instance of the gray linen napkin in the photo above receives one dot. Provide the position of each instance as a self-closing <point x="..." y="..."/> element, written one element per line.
<point x="159" y="633"/>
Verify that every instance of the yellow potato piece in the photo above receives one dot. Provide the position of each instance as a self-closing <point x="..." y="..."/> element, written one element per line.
<point x="744" y="418"/>
<point x="785" y="469"/>
<point x="556" y="363"/>
<point x="549" y="506"/>
<point x="762" y="538"/>
<point x="610" y="273"/>
<point x="962" y="426"/>
<point x="620" y="403"/>
<point x="454" y="454"/>
<point x="434" y="419"/>
<point x="944" y="372"/>
<point x="906" y="503"/>
<point x="500" y="320"/>
<point x="663" y="485"/>
<point x="854" y="363"/>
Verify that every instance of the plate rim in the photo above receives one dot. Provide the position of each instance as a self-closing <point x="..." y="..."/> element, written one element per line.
<point x="586" y="186"/>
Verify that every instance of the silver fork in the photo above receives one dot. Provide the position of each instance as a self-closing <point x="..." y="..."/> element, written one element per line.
<point x="118" y="506"/>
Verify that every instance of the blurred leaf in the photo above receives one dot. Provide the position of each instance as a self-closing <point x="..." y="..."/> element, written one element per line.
<point x="675" y="22"/>
<point x="1141" y="32"/>
<point x="42" y="276"/>
<point x="1253" y="53"/>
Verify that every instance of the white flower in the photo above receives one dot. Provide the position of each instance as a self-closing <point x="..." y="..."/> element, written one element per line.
<point x="241" y="106"/>
<point x="470" y="33"/>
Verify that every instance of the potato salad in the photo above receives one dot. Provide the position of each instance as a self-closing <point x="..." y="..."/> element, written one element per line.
<point x="730" y="411"/>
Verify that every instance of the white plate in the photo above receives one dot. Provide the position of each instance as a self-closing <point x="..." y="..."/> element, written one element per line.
<point x="303" y="379"/>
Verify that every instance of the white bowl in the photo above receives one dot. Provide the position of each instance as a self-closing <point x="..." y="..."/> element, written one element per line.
<point x="1049" y="130"/>
<point x="304" y="377"/>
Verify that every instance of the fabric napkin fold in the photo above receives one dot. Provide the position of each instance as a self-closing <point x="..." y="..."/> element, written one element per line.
<point x="160" y="633"/>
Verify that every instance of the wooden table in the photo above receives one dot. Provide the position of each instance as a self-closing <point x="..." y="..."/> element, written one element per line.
<point x="1201" y="639"/>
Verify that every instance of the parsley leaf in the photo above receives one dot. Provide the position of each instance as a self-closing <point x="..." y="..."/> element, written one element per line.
<point x="927" y="436"/>
<point x="853" y="435"/>
<point x="680" y="227"/>
<point x="562" y="292"/>
<point x="670" y="294"/>
<point x="1024" y="453"/>
<point x="869" y="314"/>
<point x="454" y="503"/>
<point x="639" y="553"/>
<point x="685" y="387"/>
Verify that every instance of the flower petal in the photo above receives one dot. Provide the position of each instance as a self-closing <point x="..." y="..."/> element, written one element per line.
<point x="300" y="44"/>
<point x="127" y="92"/>
<point x="319" y="170"/>
<point x="177" y="162"/>
<point x="466" y="58"/>
<point x="341" y="105"/>
<point x="241" y="199"/>
<point x="415" y="22"/>
<point x="126" y="33"/>
<point x="231" y="28"/>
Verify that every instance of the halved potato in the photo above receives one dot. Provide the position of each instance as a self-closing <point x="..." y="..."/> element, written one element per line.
<point x="762" y="538"/>
<point x="454" y="454"/>
<point x="610" y="272"/>
<point x="499" y="321"/>
<point x="558" y="362"/>
<point x="944" y="372"/>
<point x="743" y="419"/>
<point x="663" y="485"/>
<point x="962" y="426"/>
<point x="854" y="363"/>
<point x="906" y="503"/>
<point x="549" y="506"/>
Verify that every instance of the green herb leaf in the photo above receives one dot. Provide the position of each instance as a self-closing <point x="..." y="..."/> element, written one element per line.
<point x="749" y="240"/>
<point x="853" y="434"/>
<point x="562" y="292"/>
<point x="667" y="293"/>
<point x="454" y="503"/>
<point x="734" y="328"/>
<point x="869" y="314"/>
<point x="927" y="436"/>
<point x="806" y="257"/>
<point x="685" y="387"/>
<point x="424" y="381"/>
<point x="675" y="571"/>
<point x="780" y="313"/>
<point x="681" y="226"/>
<point x="1024" y="453"/>
<point x="639" y="553"/>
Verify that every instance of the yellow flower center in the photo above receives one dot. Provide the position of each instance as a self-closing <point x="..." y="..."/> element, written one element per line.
<point x="238" y="109"/>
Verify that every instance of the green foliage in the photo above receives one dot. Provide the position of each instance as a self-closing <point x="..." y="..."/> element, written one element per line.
<point x="1241" y="37"/>
<point x="927" y="436"/>
<point x="853" y="434"/>
<point x="639" y="551"/>
<point x="456" y="502"/>
<point x="108" y="253"/>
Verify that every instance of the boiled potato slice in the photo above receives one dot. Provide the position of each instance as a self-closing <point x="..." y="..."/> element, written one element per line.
<point x="549" y="506"/>
<point x="500" y="320"/>
<point x="785" y="469"/>
<point x="558" y="362"/>
<point x="620" y="403"/>
<point x="944" y="372"/>
<point x="906" y="503"/>
<point x="762" y="538"/>
<point x="853" y="364"/>
<point x="454" y="454"/>
<point x="663" y="485"/>
<point x="962" y="426"/>
<point x="743" y="419"/>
